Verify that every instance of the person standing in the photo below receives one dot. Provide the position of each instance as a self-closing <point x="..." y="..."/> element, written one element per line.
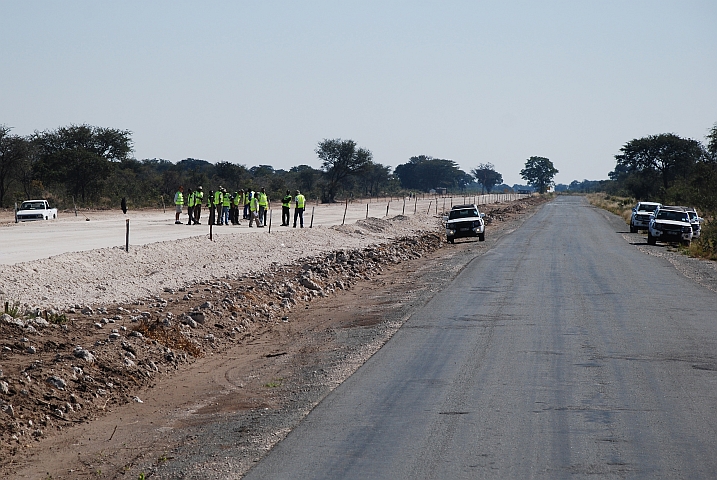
<point x="212" y="208"/>
<point x="218" y="201"/>
<point x="300" y="203"/>
<point x="263" y="205"/>
<point x="178" y="202"/>
<point x="198" y="199"/>
<point x="235" y="208"/>
<point x="286" y="209"/>
<point x="247" y="200"/>
<point x="254" y="211"/>
<point x="226" y="203"/>
<point x="190" y="206"/>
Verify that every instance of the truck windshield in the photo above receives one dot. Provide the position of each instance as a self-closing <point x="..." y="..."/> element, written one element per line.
<point x="674" y="216"/>
<point x="647" y="208"/>
<point x="466" y="213"/>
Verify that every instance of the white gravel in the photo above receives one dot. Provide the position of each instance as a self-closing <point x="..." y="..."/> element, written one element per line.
<point x="112" y="275"/>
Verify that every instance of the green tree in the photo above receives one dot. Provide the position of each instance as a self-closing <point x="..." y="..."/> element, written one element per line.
<point x="539" y="173"/>
<point x="649" y="166"/>
<point x="340" y="160"/>
<point x="13" y="149"/>
<point x="486" y="175"/>
<point x="424" y="173"/>
<point x="80" y="156"/>
<point x="712" y="143"/>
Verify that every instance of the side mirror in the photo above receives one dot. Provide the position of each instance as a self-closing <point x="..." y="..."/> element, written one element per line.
<point x="482" y="215"/>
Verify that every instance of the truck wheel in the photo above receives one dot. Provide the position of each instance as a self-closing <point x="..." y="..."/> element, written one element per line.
<point x="481" y="237"/>
<point x="451" y="240"/>
<point x="633" y="229"/>
<point x="686" y="243"/>
<point x="650" y="239"/>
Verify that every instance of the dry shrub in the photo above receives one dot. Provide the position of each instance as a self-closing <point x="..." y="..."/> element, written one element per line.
<point x="621" y="206"/>
<point x="706" y="245"/>
<point x="170" y="337"/>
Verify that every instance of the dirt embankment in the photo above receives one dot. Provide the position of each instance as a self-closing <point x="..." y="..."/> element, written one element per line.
<point x="67" y="368"/>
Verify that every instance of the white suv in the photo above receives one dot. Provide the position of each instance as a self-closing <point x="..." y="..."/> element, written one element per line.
<point x="465" y="221"/>
<point x="641" y="214"/>
<point x="670" y="224"/>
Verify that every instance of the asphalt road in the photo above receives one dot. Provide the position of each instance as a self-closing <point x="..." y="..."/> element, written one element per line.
<point x="562" y="352"/>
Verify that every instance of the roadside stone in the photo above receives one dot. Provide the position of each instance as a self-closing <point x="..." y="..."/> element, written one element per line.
<point x="31" y="350"/>
<point x="4" y="388"/>
<point x="198" y="317"/>
<point x="57" y="382"/>
<point x="206" y="306"/>
<point x="87" y="310"/>
<point x="115" y="336"/>
<point x="85" y="355"/>
<point x="309" y="283"/>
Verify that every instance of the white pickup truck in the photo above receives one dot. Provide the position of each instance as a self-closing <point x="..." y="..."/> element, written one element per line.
<point x="35" y="210"/>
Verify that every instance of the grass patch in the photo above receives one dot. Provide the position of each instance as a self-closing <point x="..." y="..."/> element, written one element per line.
<point x="170" y="337"/>
<point x="621" y="206"/>
<point x="274" y="383"/>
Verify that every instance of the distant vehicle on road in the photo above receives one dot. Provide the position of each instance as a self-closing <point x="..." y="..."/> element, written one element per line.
<point x="670" y="224"/>
<point x="465" y="221"/>
<point x="35" y="210"/>
<point x="641" y="214"/>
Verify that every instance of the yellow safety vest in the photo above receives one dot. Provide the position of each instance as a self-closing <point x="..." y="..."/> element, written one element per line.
<point x="263" y="201"/>
<point x="300" y="201"/>
<point x="179" y="198"/>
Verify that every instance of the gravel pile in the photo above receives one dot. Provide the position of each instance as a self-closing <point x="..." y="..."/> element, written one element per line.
<point x="112" y="275"/>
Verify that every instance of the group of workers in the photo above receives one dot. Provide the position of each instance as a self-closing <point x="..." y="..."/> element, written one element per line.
<point x="224" y="207"/>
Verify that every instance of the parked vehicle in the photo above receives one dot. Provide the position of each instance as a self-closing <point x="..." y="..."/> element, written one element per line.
<point x="695" y="221"/>
<point x="35" y="210"/>
<point x="641" y="213"/>
<point x="670" y="224"/>
<point x="465" y="221"/>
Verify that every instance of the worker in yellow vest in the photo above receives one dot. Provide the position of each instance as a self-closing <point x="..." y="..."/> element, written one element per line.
<point x="285" y="209"/>
<point x="263" y="206"/>
<point x="300" y="204"/>
<point x="246" y="200"/>
<point x="236" y="200"/>
<point x="190" y="206"/>
<point x="254" y="211"/>
<point x="178" y="202"/>
<point x="218" y="201"/>
<point x="226" y="203"/>
<point x="198" y="199"/>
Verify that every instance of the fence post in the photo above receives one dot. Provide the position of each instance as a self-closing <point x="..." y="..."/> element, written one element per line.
<point x="403" y="212"/>
<point x="388" y="205"/>
<point x="367" y="211"/>
<point x="269" y="221"/>
<point x="429" y="207"/>
<point x="345" y="208"/>
<point x="415" y="206"/>
<point x="311" y="225"/>
<point x="126" y="247"/>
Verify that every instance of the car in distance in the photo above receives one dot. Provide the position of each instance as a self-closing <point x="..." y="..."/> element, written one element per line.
<point x="695" y="221"/>
<point x="35" y="210"/>
<point x="465" y="221"/>
<point x="670" y="224"/>
<point x="641" y="213"/>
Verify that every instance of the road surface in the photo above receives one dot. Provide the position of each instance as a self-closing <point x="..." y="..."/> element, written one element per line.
<point x="564" y="352"/>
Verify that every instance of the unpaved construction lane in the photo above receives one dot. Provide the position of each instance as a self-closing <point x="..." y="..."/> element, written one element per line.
<point x="562" y="352"/>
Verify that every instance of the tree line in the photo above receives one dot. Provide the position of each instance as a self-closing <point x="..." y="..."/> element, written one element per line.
<point x="93" y="166"/>
<point x="668" y="169"/>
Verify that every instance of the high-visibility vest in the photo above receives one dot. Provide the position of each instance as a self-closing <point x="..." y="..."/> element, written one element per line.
<point x="237" y="198"/>
<point x="227" y="200"/>
<point x="198" y="197"/>
<point x="190" y="201"/>
<point x="300" y="201"/>
<point x="179" y="198"/>
<point x="286" y="201"/>
<point x="254" y="205"/>
<point x="218" y="198"/>
<point x="263" y="201"/>
<point x="245" y="199"/>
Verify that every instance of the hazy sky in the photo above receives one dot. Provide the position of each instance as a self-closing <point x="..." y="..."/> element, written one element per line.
<point x="262" y="82"/>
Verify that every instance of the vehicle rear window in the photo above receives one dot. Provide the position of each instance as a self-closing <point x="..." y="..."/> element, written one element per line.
<point x="32" y="206"/>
